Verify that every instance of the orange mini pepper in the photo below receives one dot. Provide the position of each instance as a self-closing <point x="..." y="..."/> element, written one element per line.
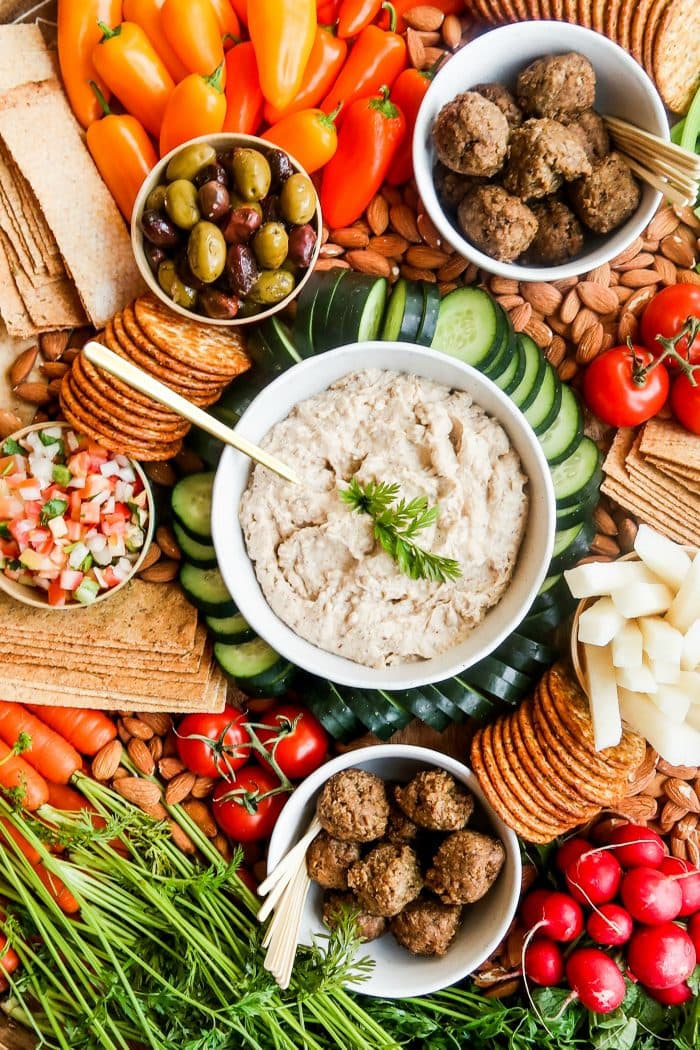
<point x="241" y="9"/>
<point x="376" y="59"/>
<point x="354" y="15"/>
<point x="123" y="153"/>
<point x="127" y="62"/>
<point x="78" y="33"/>
<point x="197" y="106"/>
<point x="325" y="62"/>
<point x="309" y="136"/>
<point x="192" y="30"/>
<point x="244" y="98"/>
<point x="229" y="22"/>
<point x="146" y="13"/>
<point x="283" y="34"/>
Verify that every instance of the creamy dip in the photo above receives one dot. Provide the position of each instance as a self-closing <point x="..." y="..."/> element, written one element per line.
<point x="317" y="561"/>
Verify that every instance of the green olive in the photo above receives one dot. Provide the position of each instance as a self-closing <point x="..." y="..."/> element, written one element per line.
<point x="251" y="174"/>
<point x="181" y="203"/>
<point x="270" y="245"/>
<point x="155" y="200"/>
<point x="271" y="286"/>
<point x="174" y="287"/>
<point x="298" y="199"/>
<point x="206" y="251"/>
<point x="189" y="161"/>
<point x="237" y="201"/>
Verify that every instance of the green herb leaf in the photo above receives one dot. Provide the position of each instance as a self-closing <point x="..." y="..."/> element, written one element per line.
<point x="53" y="509"/>
<point x="5" y="533"/>
<point x="12" y="448"/>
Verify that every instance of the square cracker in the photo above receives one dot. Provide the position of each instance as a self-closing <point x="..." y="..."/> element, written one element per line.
<point x="663" y="500"/>
<point x="688" y="480"/>
<point x="45" y="142"/>
<point x="676" y="54"/>
<point x="670" y="487"/>
<point x="667" y="440"/>
<point x="631" y="500"/>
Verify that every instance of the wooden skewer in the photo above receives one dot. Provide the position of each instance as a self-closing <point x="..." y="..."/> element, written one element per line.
<point x="286" y="962"/>
<point x="101" y="357"/>
<point x="682" y="157"/>
<point x="691" y="169"/>
<point x="676" y="196"/>
<point x="661" y="167"/>
<point x="289" y="860"/>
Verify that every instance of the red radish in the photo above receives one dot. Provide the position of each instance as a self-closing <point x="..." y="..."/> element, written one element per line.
<point x="594" y="878"/>
<point x="544" y="963"/>
<point x="638" y="846"/>
<point x="560" y="917"/>
<point x="694" y="932"/>
<point x="570" y="852"/>
<point x="650" y="896"/>
<point x="661" y="956"/>
<point x="596" y="979"/>
<point x="610" y="925"/>
<point x="679" y="993"/>
<point x="531" y="906"/>
<point x="688" y="878"/>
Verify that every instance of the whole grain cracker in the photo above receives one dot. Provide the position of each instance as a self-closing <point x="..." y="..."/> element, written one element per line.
<point x="669" y="485"/>
<point x="584" y="13"/>
<point x="125" y="393"/>
<point x="74" y="656"/>
<point x="644" y="510"/>
<point x="676" y="54"/>
<point x="537" y="820"/>
<point x="639" y="22"/>
<point x="599" y="8"/>
<point x="130" y="429"/>
<point x="510" y="769"/>
<point x="650" y="31"/>
<point x="533" y="755"/>
<point x="219" y="351"/>
<point x="688" y="479"/>
<point x="121" y="407"/>
<point x="125" y="324"/>
<point x="129" y="419"/>
<point x="546" y="785"/>
<point x="623" y="32"/>
<point x="668" y="440"/>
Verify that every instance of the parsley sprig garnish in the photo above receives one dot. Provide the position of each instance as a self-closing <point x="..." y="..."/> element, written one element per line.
<point x="396" y="522"/>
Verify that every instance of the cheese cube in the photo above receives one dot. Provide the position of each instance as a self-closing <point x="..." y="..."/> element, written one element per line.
<point x="599" y="623"/>
<point x="690" y="681"/>
<point x="643" y="599"/>
<point x="636" y="679"/>
<point x="664" y="557"/>
<point x="685" y="608"/>
<point x="673" y="701"/>
<point x="693" y="717"/>
<point x="599" y="578"/>
<point x="678" y="744"/>
<point x="627" y="645"/>
<point x="602" y="693"/>
<point x="661" y="640"/>
<point x="690" y="656"/>
<point x="665" y="671"/>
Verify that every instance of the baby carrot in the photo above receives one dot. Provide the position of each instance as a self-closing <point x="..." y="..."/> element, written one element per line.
<point x="49" y="754"/>
<point x="17" y="775"/>
<point x="87" y="731"/>
<point x="58" y="890"/>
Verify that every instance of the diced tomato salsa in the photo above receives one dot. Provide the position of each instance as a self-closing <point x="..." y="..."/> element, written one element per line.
<point x="73" y="516"/>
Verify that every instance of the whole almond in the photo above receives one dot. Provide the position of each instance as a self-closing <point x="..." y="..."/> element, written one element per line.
<point x="424" y="17"/>
<point x="170" y="767"/>
<point x="54" y="387"/>
<point x="683" y="794"/>
<point x="162" y="572"/>
<point x="167" y="542"/>
<point x="543" y="297"/>
<point x="106" y="762"/>
<point x="679" y="846"/>
<point x="429" y="231"/>
<point x="640" y="261"/>
<point x="403" y="221"/>
<point x="639" y="299"/>
<point x="203" y="787"/>
<point x="539" y="331"/>
<point x="434" y="57"/>
<point x="179" y="787"/>
<point x="627" y="327"/>
<point x="159" y="723"/>
<point x="188" y="462"/>
<point x="687" y="216"/>
<point x="429" y="38"/>
<point x="638" y="809"/>
<point x="556" y="351"/>
<point x="692" y="847"/>
<point x="417" y="273"/>
<point x="445" y="287"/>
<point x="678" y="251"/>
<point x="416" y="49"/>
<point x="392" y="195"/>
<point x="570" y="306"/>
<point x="331" y="264"/>
<point x="425" y="258"/>
<point x="199" y="813"/>
<point x="22" y="365"/>
<point x="600" y="275"/>
<point x="605" y="545"/>
<point x="509" y="302"/>
<point x="223" y="846"/>
<point x="565" y="284"/>
<point x="627" y="534"/>
<point x="520" y="316"/>
<point x="161" y="474"/>
<point x="670" y="814"/>
<point x="181" y="838"/>
<point x="53" y="344"/>
<point x="452" y="32"/>
<point x="36" y="393"/>
<point x="665" y="269"/>
<point x="350" y="237"/>
<point x="377" y="215"/>
<point x="54" y="369"/>
<point x="590" y="344"/>
<point x="155" y="746"/>
<point x="453" y="268"/>
<point x="677" y="772"/>
<point x="651" y="244"/>
<point x="686" y="826"/>
<point x="567" y="370"/>
<point x="141" y="756"/>
<point x="389" y="245"/>
<point x="365" y="260"/>
<point x="330" y="251"/>
<point x="9" y="423"/>
<point x="665" y="222"/>
<point x="504" y="286"/>
<point x="137" y="728"/>
<point x="630" y="251"/>
<point x="139" y="791"/>
<point x="597" y="297"/>
<point x="639" y="278"/>
<point x="583" y="320"/>
<point x="151" y="556"/>
<point x="604" y="523"/>
<point x="688" y="277"/>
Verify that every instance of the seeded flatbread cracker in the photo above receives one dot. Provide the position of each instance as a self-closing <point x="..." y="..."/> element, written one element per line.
<point x="51" y="302"/>
<point x="24" y="56"/>
<point x="219" y="351"/>
<point x="676" y="54"/>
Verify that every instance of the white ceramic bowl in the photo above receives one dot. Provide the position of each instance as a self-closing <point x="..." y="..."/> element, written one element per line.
<point x="397" y="973"/>
<point x="623" y="90"/>
<point x="223" y="141"/>
<point x="274" y="404"/>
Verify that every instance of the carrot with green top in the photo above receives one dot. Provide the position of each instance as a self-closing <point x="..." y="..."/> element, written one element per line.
<point x="48" y="753"/>
<point x="88" y="731"/>
<point x="17" y="778"/>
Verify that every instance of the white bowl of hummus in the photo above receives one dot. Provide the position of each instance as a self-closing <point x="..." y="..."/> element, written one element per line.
<point x="312" y="576"/>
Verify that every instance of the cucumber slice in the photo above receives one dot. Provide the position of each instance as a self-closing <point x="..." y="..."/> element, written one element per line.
<point x="570" y="516"/>
<point x="421" y="706"/>
<point x="202" y="555"/>
<point x="358" y="309"/>
<point x="539" y="627"/>
<point x="374" y="708"/>
<point x="498" y="679"/>
<point x="503" y="358"/>
<point x="320" y="284"/>
<point x="563" y="435"/>
<point x="468" y="699"/>
<point x="190" y="503"/>
<point x="511" y="378"/>
<point x="554" y="591"/>
<point x="323" y="335"/>
<point x="333" y="713"/>
<point x="543" y="410"/>
<point x="239" y="394"/>
<point x="207" y="591"/>
<point x="230" y="629"/>
<point x="525" y="655"/>
<point x="206" y="446"/>
<point x="469" y="327"/>
<point x="528" y="388"/>
<point x="277" y="339"/>
<point x="578" y="476"/>
<point x="441" y="700"/>
<point x="404" y="312"/>
<point x="570" y="545"/>
<point x="255" y="667"/>
<point x="431" y="312"/>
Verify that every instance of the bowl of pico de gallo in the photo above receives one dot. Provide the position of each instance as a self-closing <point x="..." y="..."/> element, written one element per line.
<point x="76" y="519"/>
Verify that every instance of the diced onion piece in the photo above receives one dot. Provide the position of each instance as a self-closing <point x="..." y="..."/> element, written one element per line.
<point x="677" y="744"/>
<point x="642" y="599"/>
<point x="602" y="692"/>
<point x="664" y="557"/>
<point x="599" y="624"/>
<point x="690" y="655"/>
<point x="596" y="579"/>
<point x="685" y="608"/>
<point x="673" y="701"/>
<point x="661" y="640"/>
<point x="627" y="646"/>
<point x="665" y="671"/>
<point x="636" y="679"/>
<point x="58" y="526"/>
<point x="78" y="555"/>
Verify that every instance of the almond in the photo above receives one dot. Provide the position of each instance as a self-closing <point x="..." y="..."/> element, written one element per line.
<point x="403" y="221"/>
<point x="630" y="251"/>
<point x="377" y="214"/>
<point x="350" y="237"/>
<point x="429" y="231"/>
<point x="391" y="195"/>
<point x="36" y="393"/>
<point x="682" y="793"/>
<point x="141" y="756"/>
<point x="570" y="306"/>
<point x="54" y="387"/>
<point x="641" y="261"/>
<point x="544" y="298"/>
<point x="434" y="57"/>
<point x="639" y="299"/>
<point x="170" y="767"/>
<point x="9" y="423"/>
<point x="639" y="278"/>
<point x="165" y="538"/>
<point x="445" y="287"/>
<point x="622" y="293"/>
<point x="389" y="244"/>
<point x="687" y="216"/>
<point x="600" y="275"/>
<point x="567" y="370"/>
<point x="203" y="787"/>
<point x="137" y="728"/>
<point x="452" y="32"/>
<point x="160" y="474"/>
<point x="223" y="846"/>
<point x="53" y="344"/>
<point x="665" y="269"/>
<point x="199" y="813"/>
<point x="627" y="327"/>
<point x="665" y="222"/>
<point x="424" y="17"/>
<point x="638" y="809"/>
<point x="159" y="723"/>
<point x="606" y="524"/>
<point x="331" y="264"/>
<point x="162" y="572"/>
<point x="509" y="302"/>
<point x="627" y="534"/>
<point x="590" y="344"/>
<point x="692" y="847"/>
<point x="22" y="365"/>
<point x="330" y="251"/>
<point x="151" y="556"/>
<point x="416" y="49"/>
<point x="367" y="261"/>
<point x="179" y="787"/>
<point x="670" y="815"/>
<point x="520" y="316"/>
<point x="686" y="826"/>
<point x="181" y="838"/>
<point x="679" y="847"/>
<point x="139" y="791"/>
<point x="429" y="38"/>
<point x="688" y="277"/>
<point x="416" y="273"/>
<point x="678" y="251"/>
<point x="155" y="746"/>
<point x="605" y="545"/>
<point x="539" y="331"/>
<point x="106" y="762"/>
<point x="454" y="267"/>
<point x="54" y="369"/>
<point x="425" y="258"/>
<point x="504" y="286"/>
<point x="556" y="351"/>
<point x="188" y="462"/>
<point x="597" y="297"/>
<point x="583" y="320"/>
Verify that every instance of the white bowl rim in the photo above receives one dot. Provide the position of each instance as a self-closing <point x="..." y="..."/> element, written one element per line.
<point x="427" y="757"/>
<point x="250" y="599"/>
<point x="498" y="38"/>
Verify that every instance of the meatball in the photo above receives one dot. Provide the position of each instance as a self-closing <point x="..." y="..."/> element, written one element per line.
<point x="465" y="867"/>
<point x="471" y="135"/>
<point x="451" y="187"/>
<point x="501" y="97"/>
<point x="426" y="927"/>
<point x="369" y="927"/>
<point x="400" y="828"/>
<point x="497" y="223"/>
<point x="386" y="880"/>
<point x="328" y="860"/>
<point x="559" y="235"/>
<point x="542" y="154"/>
<point x="590" y="127"/>
<point x="353" y="806"/>
<point x="606" y="198"/>
<point x="556" y="84"/>
<point x="434" y="799"/>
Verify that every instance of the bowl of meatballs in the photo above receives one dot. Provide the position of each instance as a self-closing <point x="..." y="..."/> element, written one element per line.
<point x="412" y="850"/>
<point x="512" y="158"/>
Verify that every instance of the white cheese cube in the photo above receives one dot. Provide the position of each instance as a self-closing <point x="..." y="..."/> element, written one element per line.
<point x="664" y="557"/>
<point x="636" y="679"/>
<point x="602" y="693"/>
<point x="678" y="744"/>
<point x="690" y="656"/>
<point x="673" y="701"/>
<point x="599" y="624"/>
<point x="598" y="578"/>
<point x="690" y="681"/>
<point x="661" y="640"/>
<point x="642" y="599"/>
<point x="665" y="671"/>
<point x="693" y="717"/>
<point x="685" y="608"/>
<point x="627" y="645"/>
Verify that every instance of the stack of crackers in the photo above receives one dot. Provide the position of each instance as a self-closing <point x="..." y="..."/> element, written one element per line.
<point x="141" y="650"/>
<point x="662" y="35"/>
<point x="195" y="360"/>
<point x="65" y="253"/>
<point x="655" y="473"/>
<point x="538" y="768"/>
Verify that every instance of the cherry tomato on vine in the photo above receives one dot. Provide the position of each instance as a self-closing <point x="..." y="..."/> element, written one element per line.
<point x="244" y="807"/>
<point x="621" y="390"/>
<point x="213" y="745"/>
<point x="665" y="316"/>
<point x="300" y="750"/>
<point x="685" y="401"/>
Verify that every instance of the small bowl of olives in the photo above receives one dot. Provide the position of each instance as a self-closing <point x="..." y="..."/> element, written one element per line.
<point x="226" y="229"/>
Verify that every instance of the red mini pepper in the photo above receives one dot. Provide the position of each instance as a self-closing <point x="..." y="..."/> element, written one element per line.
<point x="123" y="153"/>
<point x="369" y="138"/>
<point x="244" y="97"/>
<point x="325" y="62"/>
<point x="327" y="12"/>
<point x="376" y="59"/>
<point x="354" y="15"/>
<point x="408" y="92"/>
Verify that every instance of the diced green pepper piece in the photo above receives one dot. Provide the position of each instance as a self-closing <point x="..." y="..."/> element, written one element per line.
<point x="60" y="474"/>
<point x="86" y="592"/>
